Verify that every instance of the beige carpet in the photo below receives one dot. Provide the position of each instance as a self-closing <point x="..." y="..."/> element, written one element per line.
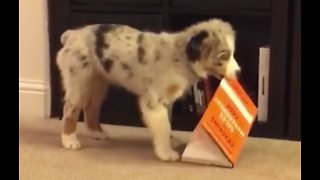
<point x="128" y="155"/>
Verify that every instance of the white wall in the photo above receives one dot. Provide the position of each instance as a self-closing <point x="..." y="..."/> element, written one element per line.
<point x="34" y="91"/>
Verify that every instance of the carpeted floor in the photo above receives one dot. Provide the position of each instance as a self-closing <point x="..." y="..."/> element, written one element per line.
<point x="128" y="155"/>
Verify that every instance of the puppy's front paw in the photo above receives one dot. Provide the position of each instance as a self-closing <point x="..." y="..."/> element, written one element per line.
<point x="70" y="142"/>
<point x="168" y="155"/>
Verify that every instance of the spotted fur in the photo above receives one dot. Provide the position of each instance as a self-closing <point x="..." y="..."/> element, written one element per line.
<point x="158" y="67"/>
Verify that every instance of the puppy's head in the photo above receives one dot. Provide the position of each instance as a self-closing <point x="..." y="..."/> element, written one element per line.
<point x="211" y="50"/>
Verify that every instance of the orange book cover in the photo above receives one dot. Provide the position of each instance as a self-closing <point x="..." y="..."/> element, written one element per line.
<point x="227" y="122"/>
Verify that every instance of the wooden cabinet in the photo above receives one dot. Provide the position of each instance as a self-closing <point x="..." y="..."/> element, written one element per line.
<point x="294" y="121"/>
<point x="142" y="21"/>
<point x="118" y="2"/>
<point x="224" y="4"/>
<point x="257" y="22"/>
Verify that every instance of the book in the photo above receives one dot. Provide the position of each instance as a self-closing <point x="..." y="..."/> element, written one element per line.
<point x="220" y="135"/>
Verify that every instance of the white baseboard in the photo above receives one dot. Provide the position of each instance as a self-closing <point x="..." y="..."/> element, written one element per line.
<point x="34" y="98"/>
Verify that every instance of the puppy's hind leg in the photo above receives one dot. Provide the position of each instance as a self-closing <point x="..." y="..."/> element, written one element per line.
<point x="76" y="70"/>
<point x="92" y="110"/>
<point x="155" y="116"/>
<point x="71" y="111"/>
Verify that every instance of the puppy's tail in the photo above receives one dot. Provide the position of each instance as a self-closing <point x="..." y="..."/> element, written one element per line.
<point x="64" y="37"/>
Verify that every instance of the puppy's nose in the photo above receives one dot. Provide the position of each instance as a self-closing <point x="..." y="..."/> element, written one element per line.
<point x="238" y="73"/>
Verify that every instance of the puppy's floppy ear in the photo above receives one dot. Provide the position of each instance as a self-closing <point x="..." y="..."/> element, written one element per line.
<point x="193" y="47"/>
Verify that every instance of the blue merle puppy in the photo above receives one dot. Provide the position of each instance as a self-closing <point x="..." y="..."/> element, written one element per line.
<point x="157" y="67"/>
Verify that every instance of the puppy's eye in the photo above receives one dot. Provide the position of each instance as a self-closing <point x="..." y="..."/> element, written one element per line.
<point x="218" y="63"/>
<point x="224" y="55"/>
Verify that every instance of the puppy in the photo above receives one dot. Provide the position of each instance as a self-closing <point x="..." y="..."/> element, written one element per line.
<point x="157" y="67"/>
